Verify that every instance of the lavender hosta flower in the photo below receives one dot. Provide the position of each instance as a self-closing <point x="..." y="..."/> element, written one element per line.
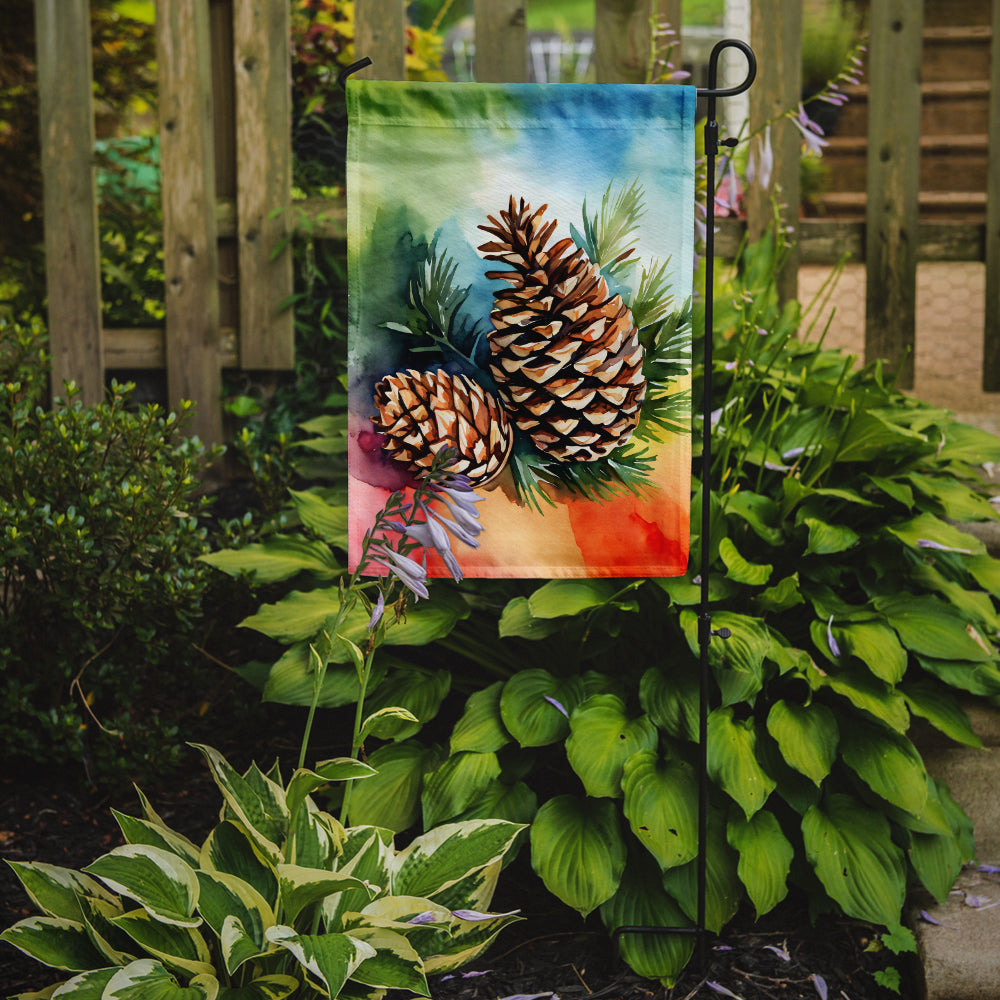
<point x="819" y="983"/>
<point x="411" y="574"/>
<point x="831" y="642"/>
<point x="812" y="134"/>
<point x="760" y="165"/>
<point x="427" y="917"/>
<point x="377" y="612"/>
<point x="927" y="543"/>
<point x="558" y="705"/>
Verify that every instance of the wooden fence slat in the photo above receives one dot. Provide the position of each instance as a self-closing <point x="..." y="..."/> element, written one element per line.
<point x="501" y="41"/>
<point x="991" y="331"/>
<point x="262" y="61"/>
<point x="621" y="40"/>
<point x="893" y="184"/>
<point x="72" y="256"/>
<point x="379" y="33"/>
<point x="776" y="36"/>
<point x="190" y="253"/>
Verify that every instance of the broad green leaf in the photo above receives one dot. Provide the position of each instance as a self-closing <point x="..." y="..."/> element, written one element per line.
<point x="86" y="986"/>
<point x="330" y="959"/>
<point x="870" y="435"/>
<point x="273" y="987"/>
<point x="385" y="723"/>
<point x="671" y="699"/>
<point x="517" y="620"/>
<point x="928" y="528"/>
<point x="976" y="678"/>
<point x="941" y="709"/>
<point x="54" y="941"/>
<point x="661" y="798"/>
<point x="181" y="948"/>
<point x="292" y="681"/>
<point x="828" y="539"/>
<point x="684" y="592"/>
<point x="516" y="803"/>
<point x="327" y="520"/>
<point x="758" y="511"/>
<point x="738" y="661"/>
<point x="56" y="891"/>
<point x="866" y="692"/>
<point x="163" y="884"/>
<point x="279" y="558"/>
<point x="301" y="887"/>
<point x="395" y="964"/>
<point x="559" y="598"/>
<point x="238" y="944"/>
<point x="893" y="488"/>
<point x="456" y="784"/>
<point x="391" y="798"/>
<point x="765" y="858"/>
<point x="739" y="569"/>
<point x="601" y="739"/>
<point x="957" y="501"/>
<point x="225" y="897"/>
<point x="147" y="979"/>
<point x="578" y="851"/>
<point x="931" y="628"/>
<point x="366" y="855"/>
<point x="481" y="728"/>
<point x="640" y="901"/>
<point x="986" y="571"/>
<point x="888" y="763"/>
<point x="807" y="736"/>
<point x="937" y="857"/>
<point x="732" y="760"/>
<point x="850" y="848"/>
<point x="230" y="849"/>
<point x="142" y="831"/>
<point x="965" y="443"/>
<point x="98" y="916"/>
<point x="420" y="691"/>
<point x="535" y="706"/>
<point x="783" y="595"/>
<point x="876" y="646"/>
<point x="441" y="857"/>
<point x="976" y="605"/>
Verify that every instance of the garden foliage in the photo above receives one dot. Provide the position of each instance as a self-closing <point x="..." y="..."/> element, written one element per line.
<point x="280" y="899"/>
<point x="855" y="605"/>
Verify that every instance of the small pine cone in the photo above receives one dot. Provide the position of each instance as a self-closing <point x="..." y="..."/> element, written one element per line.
<point x="422" y="412"/>
<point x="566" y="354"/>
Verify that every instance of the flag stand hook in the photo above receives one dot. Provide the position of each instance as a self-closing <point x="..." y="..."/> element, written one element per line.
<point x="705" y="630"/>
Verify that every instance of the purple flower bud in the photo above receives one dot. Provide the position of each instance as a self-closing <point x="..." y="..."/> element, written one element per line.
<point x="427" y="917"/>
<point x="820" y="984"/>
<point x="558" y="705"/>
<point x="377" y="612"/>
<point x="831" y="642"/>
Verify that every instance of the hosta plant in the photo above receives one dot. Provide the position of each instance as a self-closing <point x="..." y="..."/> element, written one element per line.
<point x="279" y="900"/>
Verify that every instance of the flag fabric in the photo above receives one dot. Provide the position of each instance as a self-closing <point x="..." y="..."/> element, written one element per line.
<point x="520" y="263"/>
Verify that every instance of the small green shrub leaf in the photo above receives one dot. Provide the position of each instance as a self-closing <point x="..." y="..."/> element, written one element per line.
<point x="577" y="850"/>
<point x="765" y="858"/>
<point x="54" y="941"/>
<point x="601" y="739"/>
<point x="456" y="784"/>
<point x="330" y="958"/>
<point x="535" y="706"/>
<point x="732" y="760"/>
<point x="888" y="763"/>
<point x="807" y="736"/>
<point x="481" y="727"/>
<point x="850" y="848"/>
<point x="739" y="569"/>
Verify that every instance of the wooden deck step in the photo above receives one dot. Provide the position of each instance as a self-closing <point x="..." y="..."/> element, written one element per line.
<point x="956" y="53"/>
<point x="957" y="206"/>
<point x="945" y="105"/>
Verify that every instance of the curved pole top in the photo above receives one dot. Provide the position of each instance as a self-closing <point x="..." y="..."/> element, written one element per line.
<point x="713" y="69"/>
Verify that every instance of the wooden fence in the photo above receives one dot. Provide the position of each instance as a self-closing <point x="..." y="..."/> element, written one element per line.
<point x="226" y="162"/>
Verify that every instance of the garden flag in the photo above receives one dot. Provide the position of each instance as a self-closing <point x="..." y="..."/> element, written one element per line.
<point x="520" y="260"/>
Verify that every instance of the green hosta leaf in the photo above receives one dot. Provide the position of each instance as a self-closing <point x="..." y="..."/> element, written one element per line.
<point x="928" y="528"/>
<point x="559" y="598"/>
<point x="417" y="690"/>
<point x="641" y="901"/>
<point x="391" y="798"/>
<point x="438" y="859"/>
<point x="671" y="699"/>
<point x="941" y="709"/>
<point x="147" y="979"/>
<point x="723" y="889"/>
<point x="864" y="692"/>
<point x="530" y="706"/>
<point x="327" y="520"/>
<point x="516" y="803"/>
<point x="230" y="849"/>
<point x="893" y="488"/>
<point x="481" y="728"/>
<point x="160" y="882"/>
<point x="517" y="620"/>
<point x="661" y="798"/>
<point x="291" y="680"/>
<point x="142" y="831"/>
<point x="957" y="501"/>
<point x="180" y="948"/>
<point x="578" y="851"/>
<point x="976" y="678"/>
<point x="98" y="916"/>
<point x="395" y="964"/>
<point x="807" y="736"/>
<point x="238" y="944"/>
<point x="965" y="443"/>
<point x="828" y="539"/>
<point x="937" y="859"/>
<point x="975" y="605"/>
<point x="870" y="435"/>
<point x="986" y="572"/>
<point x="683" y="592"/>
<point x="876" y="646"/>
<point x="456" y="784"/>
<point x="732" y="760"/>
<point x="274" y="987"/>
<point x="738" y="569"/>
<point x="760" y="512"/>
<point x="54" y="941"/>
<point x="783" y="595"/>
<point x="738" y="661"/>
<point x="850" y="847"/>
<point x="366" y="855"/>
<point x="301" y="887"/>
<point x="225" y="897"/>
<point x="330" y="959"/>
<point x="931" y="628"/>
<point x="602" y="738"/>
<point x="279" y="558"/>
<point x="765" y="858"/>
<point x="888" y="763"/>
<point x="56" y="891"/>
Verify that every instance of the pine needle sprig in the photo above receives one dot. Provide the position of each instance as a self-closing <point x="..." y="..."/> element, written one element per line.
<point x="668" y="357"/>
<point x="606" y="236"/>
<point x="653" y="299"/>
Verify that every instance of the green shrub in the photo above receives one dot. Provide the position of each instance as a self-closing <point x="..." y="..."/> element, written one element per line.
<point x="99" y="540"/>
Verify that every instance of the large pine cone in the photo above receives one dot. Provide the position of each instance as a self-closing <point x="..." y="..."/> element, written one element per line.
<point x="422" y="412"/>
<point x="566" y="355"/>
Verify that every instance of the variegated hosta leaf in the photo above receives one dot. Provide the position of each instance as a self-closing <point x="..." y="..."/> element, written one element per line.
<point x="54" y="941"/>
<point x="807" y="736"/>
<point x="456" y="784"/>
<point x="481" y="727"/>
<point x="147" y="979"/>
<point x="116" y="946"/>
<point x="230" y="849"/>
<point x="578" y="851"/>
<point x="304" y="782"/>
<point x="273" y="987"/>
<point x="602" y="737"/>
<point x="367" y="853"/>
<point x="468" y="939"/>
<point x="732" y="760"/>
<point x="86" y="986"/>
<point x="158" y="880"/>
<point x="850" y="847"/>
<point x="300" y="887"/>
<point x="475" y="891"/>
<point x="56" y="891"/>
<point x="765" y="858"/>
<point x="441" y="857"/>
<point x="225" y="897"/>
<point x="535" y="706"/>
<point x="141" y="831"/>
<point x="315" y="838"/>
<point x="177" y="947"/>
<point x="395" y="964"/>
<point x="661" y="799"/>
<point x="328" y="959"/>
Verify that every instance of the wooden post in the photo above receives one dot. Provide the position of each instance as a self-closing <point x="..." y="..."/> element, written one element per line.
<point x="622" y="40"/>
<point x="72" y="256"/>
<point x="669" y="12"/>
<point x="991" y="333"/>
<point x="501" y="41"/>
<point x="893" y="183"/>
<point x="776" y="35"/>
<point x="380" y="34"/>
<point x="190" y="254"/>
<point x="261" y="57"/>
